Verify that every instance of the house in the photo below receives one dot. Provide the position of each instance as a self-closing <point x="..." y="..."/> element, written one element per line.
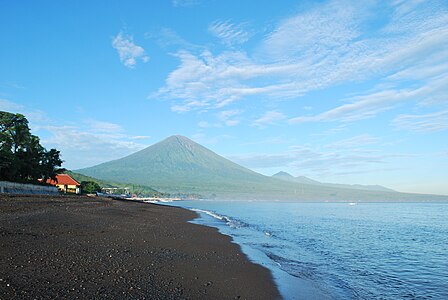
<point x="66" y="184"/>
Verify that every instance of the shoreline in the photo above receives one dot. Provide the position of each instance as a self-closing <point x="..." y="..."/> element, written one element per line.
<point x="290" y="286"/>
<point x="70" y="246"/>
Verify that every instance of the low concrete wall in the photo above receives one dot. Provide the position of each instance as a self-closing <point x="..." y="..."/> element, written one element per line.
<point x="21" y="188"/>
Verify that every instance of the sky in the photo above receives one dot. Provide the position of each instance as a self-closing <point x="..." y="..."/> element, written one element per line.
<point x="338" y="91"/>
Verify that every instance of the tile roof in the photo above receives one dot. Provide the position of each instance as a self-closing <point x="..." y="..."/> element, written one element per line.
<point x="63" y="179"/>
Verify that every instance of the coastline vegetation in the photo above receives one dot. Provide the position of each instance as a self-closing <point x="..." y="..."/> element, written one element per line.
<point x="22" y="158"/>
<point x="94" y="184"/>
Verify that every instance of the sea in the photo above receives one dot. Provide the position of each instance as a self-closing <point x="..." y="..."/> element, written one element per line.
<point x="340" y="250"/>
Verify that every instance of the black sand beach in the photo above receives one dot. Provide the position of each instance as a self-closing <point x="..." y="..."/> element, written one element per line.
<point x="80" y="247"/>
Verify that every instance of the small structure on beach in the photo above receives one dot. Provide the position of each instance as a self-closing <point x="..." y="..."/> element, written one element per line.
<point x="66" y="184"/>
<point x="116" y="191"/>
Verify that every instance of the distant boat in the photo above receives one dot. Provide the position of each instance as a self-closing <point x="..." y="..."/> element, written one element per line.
<point x="352" y="203"/>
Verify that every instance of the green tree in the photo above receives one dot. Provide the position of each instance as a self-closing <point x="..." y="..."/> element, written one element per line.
<point x="22" y="157"/>
<point x="90" y="187"/>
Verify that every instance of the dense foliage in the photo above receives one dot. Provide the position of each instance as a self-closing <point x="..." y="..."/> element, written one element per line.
<point x="90" y="187"/>
<point x="22" y="157"/>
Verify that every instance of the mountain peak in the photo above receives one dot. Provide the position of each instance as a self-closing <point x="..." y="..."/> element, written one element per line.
<point x="176" y="164"/>
<point x="179" y="141"/>
<point x="178" y="137"/>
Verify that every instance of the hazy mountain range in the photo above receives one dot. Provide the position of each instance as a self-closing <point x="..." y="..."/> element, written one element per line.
<point x="302" y="179"/>
<point x="179" y="165"/>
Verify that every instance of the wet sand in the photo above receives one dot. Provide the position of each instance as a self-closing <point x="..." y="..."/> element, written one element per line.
<point x="80" y="247"/>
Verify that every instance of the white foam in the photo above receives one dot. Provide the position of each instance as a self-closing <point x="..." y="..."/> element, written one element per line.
<point x="214" y="215"/>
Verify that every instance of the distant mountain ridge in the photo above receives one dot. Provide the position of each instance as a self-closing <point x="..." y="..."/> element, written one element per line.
<point x="302" y="179"/>
<point x="177" y="165"/>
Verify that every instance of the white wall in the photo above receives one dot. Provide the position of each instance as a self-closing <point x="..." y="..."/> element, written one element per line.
<point x="21" y="188"/>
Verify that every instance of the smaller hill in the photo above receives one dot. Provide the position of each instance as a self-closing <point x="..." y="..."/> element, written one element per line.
<point x="300" y="179"/>
<point x="137" y="189"/>
<point x="283" y="175"/>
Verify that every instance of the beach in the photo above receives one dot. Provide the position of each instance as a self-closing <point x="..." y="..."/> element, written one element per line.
<point x="81" y="247"/>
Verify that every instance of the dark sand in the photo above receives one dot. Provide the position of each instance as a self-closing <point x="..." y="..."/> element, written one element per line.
<point x="79" y="247"/>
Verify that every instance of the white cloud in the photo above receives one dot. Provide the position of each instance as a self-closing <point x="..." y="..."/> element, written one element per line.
<point x="404" y="7"/>
<point x="6" y="105"/>
<point x="103" y="127"/>
<point x="88" y="143"/>
<point x="361" y="107"/>
<point x="228" y="117"/>
<point x="313" y="50"/>
<point x="369" y="105"/>
<point x="82" y="148"/>
<point x="321" y="31"/>
<point x="128" y="51"/>
<point x="229" y="33"/>
<point x="309" y="160"/>
<point x="206" y="81"/>
<point x="269" y="118"/>
<point x="166" y="37"/>
<point x="423" y="123"/>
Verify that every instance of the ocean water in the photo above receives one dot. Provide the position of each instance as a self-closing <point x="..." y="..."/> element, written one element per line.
<point x="338" y="250"/>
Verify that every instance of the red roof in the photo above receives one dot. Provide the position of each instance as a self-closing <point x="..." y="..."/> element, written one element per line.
<point x="63" y="179"/>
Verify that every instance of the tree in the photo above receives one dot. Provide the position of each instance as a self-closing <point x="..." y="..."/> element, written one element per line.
<point x="90" y="187"/>
<point x="22" y="157"/>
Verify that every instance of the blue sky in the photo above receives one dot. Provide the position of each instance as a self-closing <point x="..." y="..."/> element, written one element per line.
<point x="339" y="91"/>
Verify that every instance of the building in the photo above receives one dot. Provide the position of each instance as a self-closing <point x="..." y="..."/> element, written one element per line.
<point x="66" y="184"/>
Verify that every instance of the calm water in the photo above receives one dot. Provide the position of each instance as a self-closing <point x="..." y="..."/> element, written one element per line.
<point x="341" y="251"/>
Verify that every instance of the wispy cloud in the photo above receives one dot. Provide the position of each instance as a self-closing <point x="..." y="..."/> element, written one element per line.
<point x="128" y="51"/>
<point x="404" y="7"/>
<point x="83" y="147"/>
<point x="269" y="118"/>
<point x="226" y="118"/>
<point x="369" y="105"/>
<point x="423" y="123"/>
<point x="9" y="106"/>
<point x="103" y="127"/>
<point x="88" y="143"/>
<point x="361" y="107"/>
<point x="168" y="38"/>
<point x="229" y="33"/>
<point x="309" y="160"/>
<point x="317" y="49"/>
<point x="325" y="30"/>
